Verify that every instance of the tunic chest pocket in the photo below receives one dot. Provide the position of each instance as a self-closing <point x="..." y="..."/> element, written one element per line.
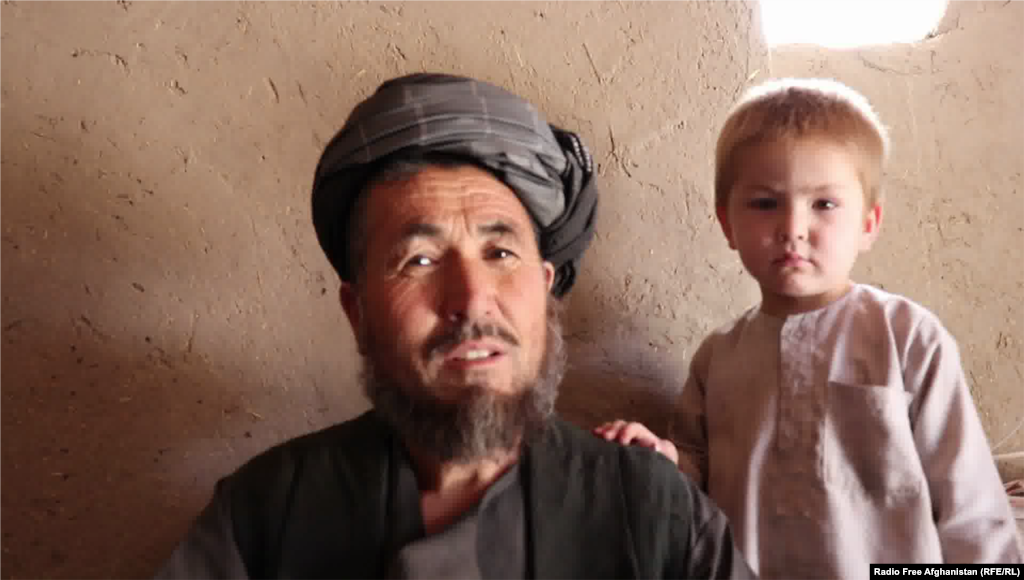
<point x="869" y="444"/>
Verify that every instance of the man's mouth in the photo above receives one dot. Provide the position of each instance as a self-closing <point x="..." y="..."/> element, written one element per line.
<point x="476" y="354"/>
<point x="471" y="344"/>
<point x="473" y="353"/>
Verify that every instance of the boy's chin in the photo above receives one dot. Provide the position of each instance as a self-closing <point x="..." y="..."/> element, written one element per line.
<point x="790" y="291"/>
<point x="802" y="298"/>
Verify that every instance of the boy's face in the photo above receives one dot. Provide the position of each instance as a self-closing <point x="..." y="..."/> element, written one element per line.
<point x="797" y="216"/>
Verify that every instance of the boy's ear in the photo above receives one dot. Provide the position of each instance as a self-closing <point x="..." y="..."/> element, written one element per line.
<point x="722" y="211"/>
<point x="350" y="302"/>
<point x="872" y="223"/>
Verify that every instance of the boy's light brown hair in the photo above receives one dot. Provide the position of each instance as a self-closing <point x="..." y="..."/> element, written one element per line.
<point x="788" y="109"/>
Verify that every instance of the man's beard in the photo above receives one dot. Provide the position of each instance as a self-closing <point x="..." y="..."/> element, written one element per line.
<point x="481" y="422"/>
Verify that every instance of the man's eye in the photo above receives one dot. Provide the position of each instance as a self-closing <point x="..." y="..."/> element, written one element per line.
<point x="419" y="262"/>
<point x="500" y="254"/>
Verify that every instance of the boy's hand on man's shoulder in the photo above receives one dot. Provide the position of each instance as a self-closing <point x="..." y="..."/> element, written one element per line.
<point x="633" y="433"/>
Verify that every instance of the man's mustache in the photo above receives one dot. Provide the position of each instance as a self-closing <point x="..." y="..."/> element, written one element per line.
<point x="451" y="337"/>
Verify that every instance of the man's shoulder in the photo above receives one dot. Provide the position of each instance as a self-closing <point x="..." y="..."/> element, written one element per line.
<point x="627" y="509"/>
<point x="363" y="436"/>
<point x="298" y="498"/>
<point x="569" y="440"/>
<point x="638" y="468"/>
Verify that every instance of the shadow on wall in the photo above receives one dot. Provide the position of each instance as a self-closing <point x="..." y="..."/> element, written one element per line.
<point x="103" y="401"/>
<point x="616" y="370"/>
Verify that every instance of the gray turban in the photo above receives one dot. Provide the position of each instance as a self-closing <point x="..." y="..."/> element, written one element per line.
<point x="549" y="169"/>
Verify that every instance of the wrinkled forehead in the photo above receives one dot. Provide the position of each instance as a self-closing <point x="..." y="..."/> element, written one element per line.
<point x="442" y="198"/>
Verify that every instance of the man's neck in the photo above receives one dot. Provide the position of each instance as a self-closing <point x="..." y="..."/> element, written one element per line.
<point x="450" y="489"/>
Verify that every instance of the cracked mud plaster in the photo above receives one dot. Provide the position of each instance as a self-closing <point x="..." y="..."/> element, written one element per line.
<point x="167" y="312"/>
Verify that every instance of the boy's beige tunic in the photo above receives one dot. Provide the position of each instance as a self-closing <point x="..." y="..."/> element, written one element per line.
<point x="842" y="437"/>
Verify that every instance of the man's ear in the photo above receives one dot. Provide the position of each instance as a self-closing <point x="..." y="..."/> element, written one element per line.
<point x="353" y="306"/>
<point x="872" y="224"/>
<point x="549" y="274"/>
<point x="722" y="212"/>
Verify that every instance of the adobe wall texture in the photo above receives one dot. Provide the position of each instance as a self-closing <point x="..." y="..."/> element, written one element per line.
<point x="167" y="312"/>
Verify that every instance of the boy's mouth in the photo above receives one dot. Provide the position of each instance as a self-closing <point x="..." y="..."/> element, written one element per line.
<point x="789" y="259"/>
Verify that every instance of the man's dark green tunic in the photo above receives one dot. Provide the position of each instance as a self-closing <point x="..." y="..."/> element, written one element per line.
<point x="331" y="505"/>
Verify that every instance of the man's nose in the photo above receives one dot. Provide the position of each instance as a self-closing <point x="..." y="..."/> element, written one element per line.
<point x="469" y="289"/>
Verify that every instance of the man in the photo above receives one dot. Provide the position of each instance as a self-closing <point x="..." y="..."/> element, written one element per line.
<point x="456" y="217"/>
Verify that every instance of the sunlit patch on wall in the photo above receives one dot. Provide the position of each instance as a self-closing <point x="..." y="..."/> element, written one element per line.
<point x="849" y="23"/>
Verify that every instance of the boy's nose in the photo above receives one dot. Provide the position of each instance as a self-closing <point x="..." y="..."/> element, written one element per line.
<point x="793" y="225"/>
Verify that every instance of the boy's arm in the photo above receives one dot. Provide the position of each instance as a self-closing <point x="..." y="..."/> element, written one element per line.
<point x="972" y="512"/>
<point x="688" y="428"/>
<point x="633" y="433"/>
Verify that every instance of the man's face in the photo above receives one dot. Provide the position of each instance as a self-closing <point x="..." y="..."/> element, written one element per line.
<point x="451" y="306"/>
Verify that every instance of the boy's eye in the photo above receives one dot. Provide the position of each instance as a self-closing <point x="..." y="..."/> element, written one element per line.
<point x="763" y="203"/>
<point x="825" y="204"/>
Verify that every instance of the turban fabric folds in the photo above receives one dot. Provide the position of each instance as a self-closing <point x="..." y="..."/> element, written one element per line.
<point x="549" y="169"/>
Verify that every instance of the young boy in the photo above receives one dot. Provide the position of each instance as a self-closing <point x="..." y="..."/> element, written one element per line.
<point x="832" y="422"/>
